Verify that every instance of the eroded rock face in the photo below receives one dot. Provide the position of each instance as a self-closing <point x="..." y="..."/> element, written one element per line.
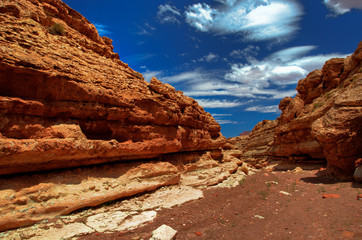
<point x="67" y="100"/>
<point x="256" y="146"/>
<point x="323" y="121"/>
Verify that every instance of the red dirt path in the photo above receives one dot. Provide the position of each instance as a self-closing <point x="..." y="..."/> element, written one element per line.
<point x="257" y="210"/>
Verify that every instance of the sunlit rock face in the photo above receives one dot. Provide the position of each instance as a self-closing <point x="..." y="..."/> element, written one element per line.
<point x="322" y="123"/>
<point x="67" y="100"/>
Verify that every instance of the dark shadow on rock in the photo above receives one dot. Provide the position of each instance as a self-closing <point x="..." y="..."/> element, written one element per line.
<point x="320" y="177"/>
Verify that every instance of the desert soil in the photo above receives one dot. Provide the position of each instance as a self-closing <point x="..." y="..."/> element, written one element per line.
<point x="266" y="205"/>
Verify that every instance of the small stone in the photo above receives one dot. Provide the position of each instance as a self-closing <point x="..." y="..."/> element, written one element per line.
<point x="272" y="182"/>
<point x="258" y="166"/>
<point x="348" y="234"/>
<point x="258" y="216"/>
<point x="297" y="170"/>
<point x="331" y="195"/>
<point x="164" y="232"/>
<point x="359" y="196"/>
<point x="245" y="168"/>
<point x="285" y="193"/>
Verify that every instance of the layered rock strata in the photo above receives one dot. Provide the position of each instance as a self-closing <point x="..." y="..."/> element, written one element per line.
<point x="29" y="198"/>
<point x="67" y="100"/>
<point x="256" y="146"/>
<point x="322" y="123"/>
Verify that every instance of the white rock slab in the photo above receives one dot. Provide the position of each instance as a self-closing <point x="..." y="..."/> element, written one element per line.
<point x="164" y="233"/>
<point x="67" y="231"/>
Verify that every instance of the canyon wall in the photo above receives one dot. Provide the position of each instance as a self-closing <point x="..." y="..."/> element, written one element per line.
<point x="70" y="105"/>
<point x="322" y="123"/>
<point x="67" y="100"/>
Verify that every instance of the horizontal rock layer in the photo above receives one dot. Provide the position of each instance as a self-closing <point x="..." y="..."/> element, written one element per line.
<point x="67" y="100"/>
<point x="29" y="198"/>
<point x="323" y="121"/>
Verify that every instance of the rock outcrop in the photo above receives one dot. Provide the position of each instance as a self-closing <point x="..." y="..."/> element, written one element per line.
<point x="322" y="123"/>
<point x="256" y="146"/>
<point x="67" y="100"/>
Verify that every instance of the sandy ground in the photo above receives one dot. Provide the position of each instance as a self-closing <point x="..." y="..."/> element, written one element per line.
<point x="267" y="205"/>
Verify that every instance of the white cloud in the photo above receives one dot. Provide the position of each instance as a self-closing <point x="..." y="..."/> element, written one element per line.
<point x="150" y="74"/>
<point x="190" y="76"/>
<point x="310" y="63"/>
<point x="102" y="29"/>
<point x="211" y="57"/>
<point x="201" y="16"/>
<point x="264" y="109"/>
<point x="265" y="79"/>
<point x="168" y="14"/>
<point x="259" y="80"/>
<point x="227" y="2"/>
<point x="343" y="6"/>
<point x="219" y="118"/>
<point x="212" y="103"/>
<point x="256" y="20"/>
<point x="292" y="53"/>
<point x="223" y="121"/>
<point x="284" y="67"/>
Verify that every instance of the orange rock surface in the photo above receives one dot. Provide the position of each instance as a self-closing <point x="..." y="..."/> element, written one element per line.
<point x="322" y="123"/>
<point x="67" y="100"/>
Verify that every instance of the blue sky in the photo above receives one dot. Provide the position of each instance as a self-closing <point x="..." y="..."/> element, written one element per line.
<point x="237" y="58"/>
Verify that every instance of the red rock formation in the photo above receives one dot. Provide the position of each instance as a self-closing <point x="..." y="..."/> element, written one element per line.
<point x="67" y="100"/>
<point x="256" y="146"/>
<point x="323" y="121"/>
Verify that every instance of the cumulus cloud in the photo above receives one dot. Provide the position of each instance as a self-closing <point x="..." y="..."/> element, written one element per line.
<point x="264" y="109"/>
<point x="342" y="6"/>
<point x="269" y="79"/>
<point x="168" y="14"/>
<point x="256" y="20"/>
<point x="284" y="67"/>
<point x="201" y="16"/>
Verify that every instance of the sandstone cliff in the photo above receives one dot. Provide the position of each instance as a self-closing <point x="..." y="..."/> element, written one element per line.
<point x="322" y="123"/>
<point x="67" y="100"/>
<point x="256" y="146"/>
